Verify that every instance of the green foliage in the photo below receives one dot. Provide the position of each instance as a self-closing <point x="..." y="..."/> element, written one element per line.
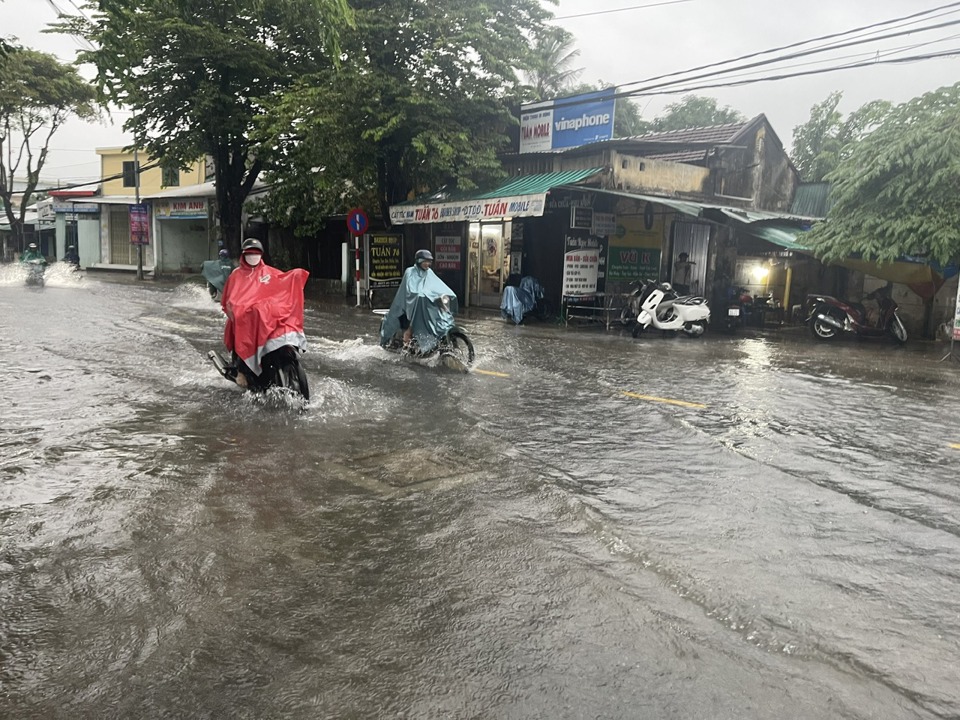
<point x="38" y="94"/>
<point x="197" y="74"/>
<point x="895" y="189"/>
<point x="548" y="67"/>
<point x="695" y="111"/>
<point x="820" y="144"/>
<point x="422" y="99"/>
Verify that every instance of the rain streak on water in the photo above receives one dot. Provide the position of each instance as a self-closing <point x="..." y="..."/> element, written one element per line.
<point x="542" y="537"/>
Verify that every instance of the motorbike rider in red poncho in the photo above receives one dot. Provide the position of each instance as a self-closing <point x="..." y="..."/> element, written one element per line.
<point x="264" y="309"/>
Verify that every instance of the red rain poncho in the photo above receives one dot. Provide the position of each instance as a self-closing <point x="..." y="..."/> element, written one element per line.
<point x="264" y="308"/>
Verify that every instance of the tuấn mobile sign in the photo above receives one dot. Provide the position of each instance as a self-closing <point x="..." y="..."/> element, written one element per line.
<point x="567" y="122"/>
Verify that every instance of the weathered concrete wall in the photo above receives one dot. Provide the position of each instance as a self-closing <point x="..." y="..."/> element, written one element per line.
<point x="632" y="173"/>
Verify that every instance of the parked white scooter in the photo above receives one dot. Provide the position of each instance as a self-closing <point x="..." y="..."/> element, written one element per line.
<point x="663" y="309"/>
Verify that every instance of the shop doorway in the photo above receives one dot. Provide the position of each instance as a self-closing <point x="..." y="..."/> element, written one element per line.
<point x="488" y="263"/>
<point x="694" y="240"/>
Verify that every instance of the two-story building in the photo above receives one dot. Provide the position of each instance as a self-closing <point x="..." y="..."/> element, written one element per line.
<point x="588" y="220"/>
<point x="104" y="238"/>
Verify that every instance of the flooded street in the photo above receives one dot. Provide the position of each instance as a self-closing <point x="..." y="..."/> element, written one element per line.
<point x="587" y="526"/>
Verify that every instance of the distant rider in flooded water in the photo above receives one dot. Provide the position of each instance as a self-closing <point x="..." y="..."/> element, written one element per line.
<point x="31" y="254"/>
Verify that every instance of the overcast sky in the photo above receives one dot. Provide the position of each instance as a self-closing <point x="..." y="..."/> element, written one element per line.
<point x="635" y="44"/>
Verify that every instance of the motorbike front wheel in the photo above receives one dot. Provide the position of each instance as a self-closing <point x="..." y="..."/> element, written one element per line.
<point x="457" y="339"/>
<point x="627" y="315"/>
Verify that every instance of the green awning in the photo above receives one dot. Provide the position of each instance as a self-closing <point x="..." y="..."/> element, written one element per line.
<point x="783" y="235"/>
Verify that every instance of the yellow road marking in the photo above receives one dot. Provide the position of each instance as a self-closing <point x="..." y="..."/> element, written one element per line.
<point x="955" y="446"/>
<point x="668" y="401"/>
<point x="491" y="372"/>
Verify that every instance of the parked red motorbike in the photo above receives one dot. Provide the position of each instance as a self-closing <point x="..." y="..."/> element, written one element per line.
<point x="829" y="317"/>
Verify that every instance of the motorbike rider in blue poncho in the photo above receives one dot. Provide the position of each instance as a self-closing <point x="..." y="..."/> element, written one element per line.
<point x="415" y="308"/>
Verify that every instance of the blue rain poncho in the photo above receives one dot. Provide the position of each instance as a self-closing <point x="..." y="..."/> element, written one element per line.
<point x="216" y="272"/>
<point x="417" y="299"/>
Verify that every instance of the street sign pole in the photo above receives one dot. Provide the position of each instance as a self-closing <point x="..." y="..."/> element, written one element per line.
<point x="356" y="264"/>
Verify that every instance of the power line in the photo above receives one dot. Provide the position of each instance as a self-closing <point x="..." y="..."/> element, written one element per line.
<point x="830" y="36"/>
<point x="624" y="9"/>
<point x="670" y="87"/>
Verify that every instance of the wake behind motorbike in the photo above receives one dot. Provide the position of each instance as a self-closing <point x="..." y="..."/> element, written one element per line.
<point x="830" y="317"/>
<point x="663" y="309"/>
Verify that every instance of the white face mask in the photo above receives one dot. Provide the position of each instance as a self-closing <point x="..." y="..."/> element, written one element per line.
<point x="253" y="259"/>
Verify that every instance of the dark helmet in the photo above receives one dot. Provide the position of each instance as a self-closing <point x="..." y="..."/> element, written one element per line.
<point x="251" y="244"/>
<point x="422" y="255"/>
<point x="223" y="254"/>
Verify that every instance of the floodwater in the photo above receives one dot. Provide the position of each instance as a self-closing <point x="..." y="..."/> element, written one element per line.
<point x="587" y="526"/>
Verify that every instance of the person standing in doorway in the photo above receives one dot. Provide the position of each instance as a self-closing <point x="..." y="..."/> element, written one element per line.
<point x="682" y="274"/>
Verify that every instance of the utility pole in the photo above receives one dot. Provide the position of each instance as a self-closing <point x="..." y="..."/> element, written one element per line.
<point x="136" y="190"/>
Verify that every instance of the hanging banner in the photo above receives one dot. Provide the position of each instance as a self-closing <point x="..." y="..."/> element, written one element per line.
<point x="139" y="225"/>
<point x="567" y="122"/>
<point x="386" y="260"/>
<point x="470" y="210"/>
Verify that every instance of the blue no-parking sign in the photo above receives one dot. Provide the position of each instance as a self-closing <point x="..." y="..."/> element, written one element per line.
<point x="357" y="222"/>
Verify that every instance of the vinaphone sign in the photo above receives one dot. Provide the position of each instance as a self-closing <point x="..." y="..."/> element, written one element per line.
<point x="567" y="122"/>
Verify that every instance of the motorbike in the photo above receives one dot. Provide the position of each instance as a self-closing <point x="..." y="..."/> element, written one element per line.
<point x="522" y="299"/>
<point x="216" y="272"/>
<point x="35" y="271"/>
<point x="739" y="306"/>
<point x="663" y="309"/>
<point x="264" y="331"/>
<point x="452" y="346"/>
<point x="639" y="289"/>
<point x="830" y="317"/>
<point x="279" y="369"/>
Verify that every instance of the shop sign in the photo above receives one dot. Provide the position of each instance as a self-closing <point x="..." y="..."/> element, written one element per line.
<point x="70" y="207"/>
<point x="604" y="224"/>
<point x="470" y="210"/>
<point x="632" y="263"/>
<point x="386" y="260"/>
<point x="448" y="255"/>
<point x="581" y="271"/>
<point x="567" y="122"/>
<point x="581" y="218"/>
<point x="139" y="224"/>
<point x="186" y="209"/>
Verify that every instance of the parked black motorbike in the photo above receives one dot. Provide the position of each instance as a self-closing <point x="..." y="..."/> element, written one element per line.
<point x="830" y="317"/>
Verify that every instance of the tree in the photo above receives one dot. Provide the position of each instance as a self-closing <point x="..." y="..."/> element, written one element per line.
<point x="422" y="100"/>
<point x="695" y="111"/>
<point x="38" y="94"/>
<point x="548" y="68"/>
<point x="819" y="144"/>
<point x="895" y="190"/>
<point x="197" y="74"/>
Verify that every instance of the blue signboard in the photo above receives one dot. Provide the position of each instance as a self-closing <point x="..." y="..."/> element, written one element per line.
<point x="567" y="122"/>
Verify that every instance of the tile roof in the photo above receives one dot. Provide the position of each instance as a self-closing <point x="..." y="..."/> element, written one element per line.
<point x="713" y="135"/>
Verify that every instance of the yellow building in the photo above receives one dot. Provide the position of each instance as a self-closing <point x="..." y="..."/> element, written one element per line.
<point x="119" y="191"/>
